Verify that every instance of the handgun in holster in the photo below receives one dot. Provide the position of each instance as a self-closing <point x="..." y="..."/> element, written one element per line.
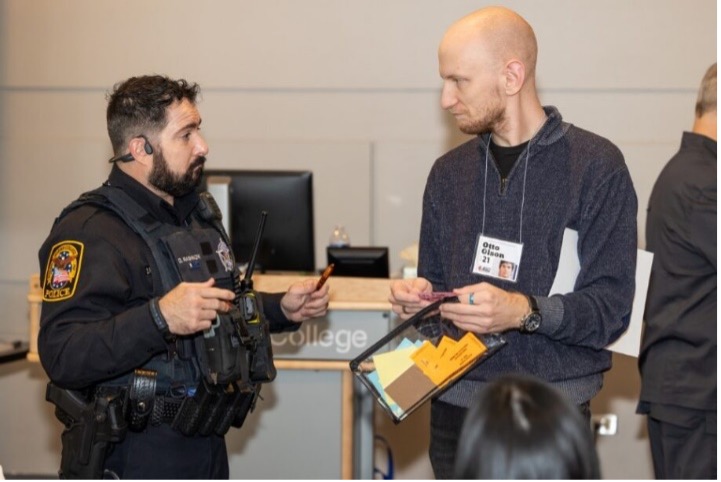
<point x="92" y="425"/>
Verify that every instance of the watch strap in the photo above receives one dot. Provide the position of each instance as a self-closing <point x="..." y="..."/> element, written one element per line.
<point x="533" y="313"/>
<point x="159" y="320"/>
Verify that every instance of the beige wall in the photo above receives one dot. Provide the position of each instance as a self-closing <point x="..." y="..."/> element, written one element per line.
<point x="348" y="89"/>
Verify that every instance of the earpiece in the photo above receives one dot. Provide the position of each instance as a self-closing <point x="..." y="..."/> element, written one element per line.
<point x="148" y="148"/>
<point x="129" y="157"/>
<point x="122" y="158"/>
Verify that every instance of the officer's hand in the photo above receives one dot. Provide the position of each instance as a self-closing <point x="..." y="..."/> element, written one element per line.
<point x="302" y="301"/>
<point x="493" y="310"/>
<point x="191" y="307"/>
<point x="404" y="296"/>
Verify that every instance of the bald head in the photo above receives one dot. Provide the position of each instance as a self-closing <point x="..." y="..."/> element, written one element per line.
<point x="496" y="35"/>
<point x="487" y="61"/>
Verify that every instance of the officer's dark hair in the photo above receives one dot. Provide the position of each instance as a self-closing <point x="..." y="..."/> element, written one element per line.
<point x="523" y="428"/>
<point x="138" y="106"/>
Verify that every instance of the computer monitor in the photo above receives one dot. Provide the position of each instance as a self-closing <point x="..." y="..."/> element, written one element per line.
<point x="287" y="196"/>
<point x="366" y="261"/>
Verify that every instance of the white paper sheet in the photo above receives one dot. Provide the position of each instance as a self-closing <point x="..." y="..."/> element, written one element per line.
<point x="568" y="267"/>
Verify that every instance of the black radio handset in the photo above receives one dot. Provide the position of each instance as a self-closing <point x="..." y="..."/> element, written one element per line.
<point x="208" y="210"/>
<point x="225" y="358"/>
<point x="254" y="329"/>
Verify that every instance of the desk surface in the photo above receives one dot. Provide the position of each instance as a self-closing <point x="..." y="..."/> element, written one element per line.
<point x="346" y="293"/>
<point x="14" y="350"/>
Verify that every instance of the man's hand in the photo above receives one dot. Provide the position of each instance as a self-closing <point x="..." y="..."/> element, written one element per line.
<point x="302" y="301"/>
<point x="404" y="296"/>
<point x="493" y="310"/>
<point x="191" y="307"/>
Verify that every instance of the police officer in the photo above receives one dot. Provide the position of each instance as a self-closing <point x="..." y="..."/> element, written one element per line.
<point x="136" y="277"/>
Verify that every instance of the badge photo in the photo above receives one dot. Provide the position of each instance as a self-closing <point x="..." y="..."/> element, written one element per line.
<point x="497" y="258"/>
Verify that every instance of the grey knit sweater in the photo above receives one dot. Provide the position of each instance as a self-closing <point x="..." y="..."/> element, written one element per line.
<point x="573" y="179"/>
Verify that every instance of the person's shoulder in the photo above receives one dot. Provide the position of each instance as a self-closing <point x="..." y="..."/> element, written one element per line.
<point x="88" y="221"/>
<point x="86" y="215"/>
<point x="690" y="173"/>
<point x="594" y="147"/>
<point x="695" y="157"/>
<point x="463" y="154"/>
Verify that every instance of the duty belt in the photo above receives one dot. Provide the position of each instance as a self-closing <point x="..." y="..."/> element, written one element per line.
<point x="212" y="409"/>
<point x="141" y="399"/>
<point x="145" y="406"/>
<point x="165" y="409"/>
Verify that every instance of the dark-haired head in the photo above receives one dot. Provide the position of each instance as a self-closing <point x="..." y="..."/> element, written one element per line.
<point x="138" y="106"/>
<point x="522" y="428"/>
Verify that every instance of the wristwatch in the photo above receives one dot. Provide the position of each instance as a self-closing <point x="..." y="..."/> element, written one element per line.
<point x="532" y="320"/>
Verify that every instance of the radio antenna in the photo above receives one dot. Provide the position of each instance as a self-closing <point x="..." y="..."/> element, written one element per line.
<point x="251" y="264"/>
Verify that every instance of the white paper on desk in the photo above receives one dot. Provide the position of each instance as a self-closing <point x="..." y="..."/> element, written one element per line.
<point x="629" y="342"/>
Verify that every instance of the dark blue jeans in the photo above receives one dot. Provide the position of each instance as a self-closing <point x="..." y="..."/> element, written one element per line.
<point x="446" y="425"/>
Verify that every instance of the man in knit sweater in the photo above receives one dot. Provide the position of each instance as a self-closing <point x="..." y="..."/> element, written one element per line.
<point x="510" y="194"/>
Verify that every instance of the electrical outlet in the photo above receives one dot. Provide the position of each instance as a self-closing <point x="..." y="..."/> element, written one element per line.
<point x="605" y="424"/>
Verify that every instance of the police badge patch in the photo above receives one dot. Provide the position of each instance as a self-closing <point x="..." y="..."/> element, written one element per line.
<point x="61" y="274"/>
<point x="223" y="253"/>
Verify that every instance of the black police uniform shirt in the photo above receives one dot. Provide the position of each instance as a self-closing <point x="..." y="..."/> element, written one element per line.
<point x="95" y="321"/>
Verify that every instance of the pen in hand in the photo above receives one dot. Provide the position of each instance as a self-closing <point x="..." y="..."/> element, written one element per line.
<point x="324" y="277"/>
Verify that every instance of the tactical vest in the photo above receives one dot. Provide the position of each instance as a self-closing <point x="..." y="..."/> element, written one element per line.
<point x="190" y="253"/>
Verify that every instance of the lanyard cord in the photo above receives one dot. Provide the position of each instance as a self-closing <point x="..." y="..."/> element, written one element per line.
<point x="523" y="195"/>
<point x="485" y="183"/>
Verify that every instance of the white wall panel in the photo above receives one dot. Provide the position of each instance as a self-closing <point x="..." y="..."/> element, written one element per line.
<point x="400" y="170"/>
<point x="329" y="44"/>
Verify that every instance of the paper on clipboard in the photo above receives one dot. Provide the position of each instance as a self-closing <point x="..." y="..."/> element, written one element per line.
<point x="629" y="343"/>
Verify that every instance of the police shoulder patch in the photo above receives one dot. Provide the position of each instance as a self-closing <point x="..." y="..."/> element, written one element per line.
<point x="62" y="271"/>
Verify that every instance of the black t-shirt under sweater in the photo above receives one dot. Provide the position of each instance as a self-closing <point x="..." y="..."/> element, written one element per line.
<point x="506" y="156"/>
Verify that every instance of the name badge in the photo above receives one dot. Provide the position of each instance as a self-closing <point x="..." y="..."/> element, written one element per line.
<point x="497" y="258"/>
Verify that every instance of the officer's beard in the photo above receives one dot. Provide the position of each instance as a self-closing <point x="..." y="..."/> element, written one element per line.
<point x="174" y="184"/>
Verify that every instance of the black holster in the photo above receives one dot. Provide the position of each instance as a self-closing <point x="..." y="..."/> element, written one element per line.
<point x="91" y="427"/>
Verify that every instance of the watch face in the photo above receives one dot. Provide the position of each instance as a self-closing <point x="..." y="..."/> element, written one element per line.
<point x="532" y="322"/>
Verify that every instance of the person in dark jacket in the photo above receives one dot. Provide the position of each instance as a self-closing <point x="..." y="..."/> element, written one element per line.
<point x="513" y="193"/>
<point x="678" y="349"/>
<point x="138" y="284"/>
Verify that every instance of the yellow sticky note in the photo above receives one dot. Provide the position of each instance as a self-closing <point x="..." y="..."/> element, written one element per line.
<point x="392" y="363"/>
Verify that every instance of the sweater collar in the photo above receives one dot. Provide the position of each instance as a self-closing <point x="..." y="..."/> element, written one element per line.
<point x="552" y="130"/>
